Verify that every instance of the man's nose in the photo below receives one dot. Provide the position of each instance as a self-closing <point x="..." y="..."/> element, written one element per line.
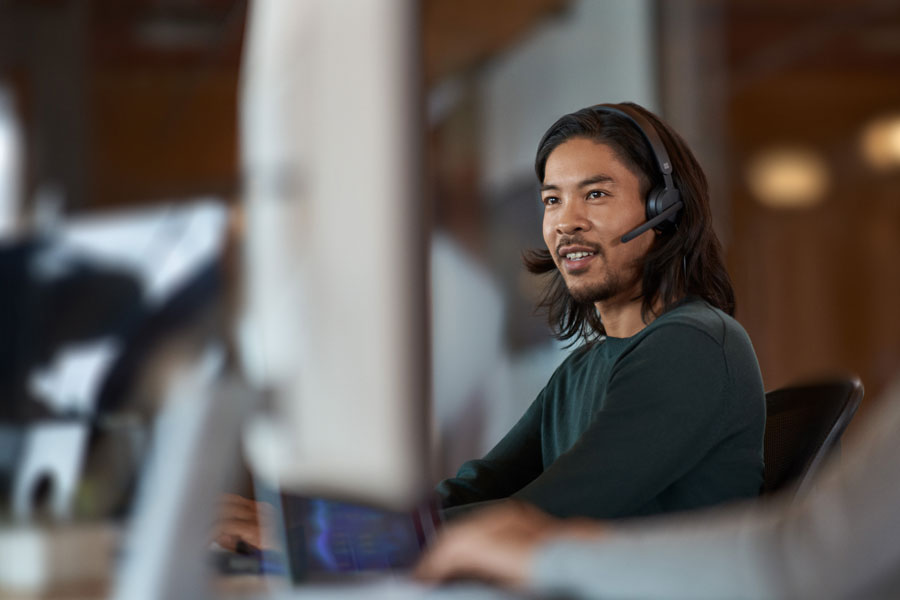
<point x="572" y="219"/>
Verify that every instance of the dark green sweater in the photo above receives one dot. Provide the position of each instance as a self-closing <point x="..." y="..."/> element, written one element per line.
<point x="669" y="419"/>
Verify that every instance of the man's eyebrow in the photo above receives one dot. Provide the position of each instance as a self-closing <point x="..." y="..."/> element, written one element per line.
<point x="585" y="182"/>
<point x="596" y="179"/>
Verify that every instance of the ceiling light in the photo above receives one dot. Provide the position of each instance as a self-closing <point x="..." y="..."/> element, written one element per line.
<point x="881" y="142"/>
<point x="788" y="177"/>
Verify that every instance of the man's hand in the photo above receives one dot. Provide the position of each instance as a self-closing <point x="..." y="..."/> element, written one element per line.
<point x="498" y="544"/>
<point x="244" y="521"/>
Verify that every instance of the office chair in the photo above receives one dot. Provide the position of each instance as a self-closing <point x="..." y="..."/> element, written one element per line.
<point x="804" y="424"/>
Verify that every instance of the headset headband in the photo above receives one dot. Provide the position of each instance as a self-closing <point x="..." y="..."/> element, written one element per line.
<point x="662" y="205"/>
<point x="649" y="132"/>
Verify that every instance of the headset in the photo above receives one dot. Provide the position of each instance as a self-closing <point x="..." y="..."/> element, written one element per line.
<point x="664" y="204"/>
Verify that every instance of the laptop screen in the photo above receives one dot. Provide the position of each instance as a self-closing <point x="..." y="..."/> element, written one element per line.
<point x="328" y="539"/>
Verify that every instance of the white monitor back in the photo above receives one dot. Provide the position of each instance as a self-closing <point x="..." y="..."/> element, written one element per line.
<point x="335" y="315"/>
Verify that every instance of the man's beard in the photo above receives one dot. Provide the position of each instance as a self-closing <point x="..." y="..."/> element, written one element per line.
<point x="598" y="291"/>
<point x="612" y="285"/>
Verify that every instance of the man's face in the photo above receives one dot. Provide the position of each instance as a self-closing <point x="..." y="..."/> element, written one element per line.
<point x="591" y="199"/>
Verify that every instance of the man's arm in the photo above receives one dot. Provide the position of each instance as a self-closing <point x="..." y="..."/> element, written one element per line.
<point x="511" y="464"/>
<point x="841" y="541"/>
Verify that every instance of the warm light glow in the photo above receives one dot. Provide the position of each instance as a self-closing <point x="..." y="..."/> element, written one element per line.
<point x="881" y="142"/>
<point x="788" y="178"/>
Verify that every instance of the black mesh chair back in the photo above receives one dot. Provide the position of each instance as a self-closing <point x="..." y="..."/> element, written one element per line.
<point x="804" y="423"/>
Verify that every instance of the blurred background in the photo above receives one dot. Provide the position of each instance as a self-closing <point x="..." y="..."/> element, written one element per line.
<point x="793" y="108"/>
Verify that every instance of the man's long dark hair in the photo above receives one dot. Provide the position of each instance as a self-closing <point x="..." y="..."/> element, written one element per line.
<point x="685" y="260"/>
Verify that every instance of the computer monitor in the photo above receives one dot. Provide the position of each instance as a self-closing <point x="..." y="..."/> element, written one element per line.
<point x="335" y="320"/>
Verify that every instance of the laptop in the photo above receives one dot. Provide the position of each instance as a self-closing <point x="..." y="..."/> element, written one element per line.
<point x="327" y="540"/>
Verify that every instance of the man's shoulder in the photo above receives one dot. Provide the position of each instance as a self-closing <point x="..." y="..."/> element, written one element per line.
<point x="701" y="331"/>
<point x="699" y="316"/>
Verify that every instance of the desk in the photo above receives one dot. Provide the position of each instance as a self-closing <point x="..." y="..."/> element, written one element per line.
<point x="255" y="587"/>
<point x="95" y="590"/>
<point x="384" y="589"/>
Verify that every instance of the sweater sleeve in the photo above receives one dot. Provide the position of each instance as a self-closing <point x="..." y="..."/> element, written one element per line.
<point x="661" y="414"/>
<point x="511" y="464"/>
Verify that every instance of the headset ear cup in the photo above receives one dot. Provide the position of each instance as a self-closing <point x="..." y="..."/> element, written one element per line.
<point x="654" y="202"/>
<point x="658" y="200"/>
<point x="671" y="196"/>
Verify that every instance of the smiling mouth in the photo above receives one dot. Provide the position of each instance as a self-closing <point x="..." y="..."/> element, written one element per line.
<point x="577" y="261"/>
<point x="576" y="256"/>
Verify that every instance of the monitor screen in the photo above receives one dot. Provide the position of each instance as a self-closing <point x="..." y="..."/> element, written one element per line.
<point x="333" y="539"/>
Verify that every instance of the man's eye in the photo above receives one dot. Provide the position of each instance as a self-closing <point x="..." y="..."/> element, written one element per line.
<point x="596" y="194"/>
<point x="548" y="200"/>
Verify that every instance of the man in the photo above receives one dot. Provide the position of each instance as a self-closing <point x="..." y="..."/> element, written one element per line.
<point x="662" y="408"/>
<point x="840" y="541"/>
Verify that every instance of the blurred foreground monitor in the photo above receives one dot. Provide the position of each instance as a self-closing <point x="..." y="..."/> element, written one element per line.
<point x="335" y="317"/>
